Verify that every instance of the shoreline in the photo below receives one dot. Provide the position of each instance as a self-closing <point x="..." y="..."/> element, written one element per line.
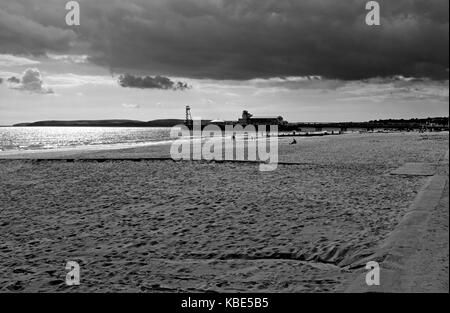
<point x="81" y="151"/>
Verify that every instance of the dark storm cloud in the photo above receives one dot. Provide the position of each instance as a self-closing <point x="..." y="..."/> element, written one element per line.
<point x="22" y="34"/>
<point x="240" y="39"/>
<point x="157" y="82"/>
<point x="14" y="80"/>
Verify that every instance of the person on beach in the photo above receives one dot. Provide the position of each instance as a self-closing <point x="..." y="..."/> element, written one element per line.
<point x="294" y="142"/>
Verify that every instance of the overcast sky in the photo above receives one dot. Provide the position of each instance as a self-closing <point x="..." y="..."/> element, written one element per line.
<point x="307" y="60"/>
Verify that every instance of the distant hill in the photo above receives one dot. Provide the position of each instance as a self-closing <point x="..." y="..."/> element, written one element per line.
<point x="431" y="122"/>
<point x="104" y="123"/>
<point x="164" y="123"/>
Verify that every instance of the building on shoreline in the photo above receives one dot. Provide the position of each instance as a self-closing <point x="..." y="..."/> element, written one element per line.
<point x="426" y="124"/>
<point x="249" y="119"/>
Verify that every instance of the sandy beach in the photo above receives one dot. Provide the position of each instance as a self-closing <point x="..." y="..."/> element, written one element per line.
<point x="157" y="226"/>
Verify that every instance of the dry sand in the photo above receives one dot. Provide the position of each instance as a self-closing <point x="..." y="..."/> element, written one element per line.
<point x="196" y="226"/>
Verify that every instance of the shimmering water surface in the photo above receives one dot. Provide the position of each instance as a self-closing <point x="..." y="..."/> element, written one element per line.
<point x="44" y="138"/>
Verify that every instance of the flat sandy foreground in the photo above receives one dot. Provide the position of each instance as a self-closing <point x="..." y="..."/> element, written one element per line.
<point x="165" y="226"/>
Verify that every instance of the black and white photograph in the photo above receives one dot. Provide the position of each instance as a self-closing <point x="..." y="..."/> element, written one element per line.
<point x="224" y="147"/>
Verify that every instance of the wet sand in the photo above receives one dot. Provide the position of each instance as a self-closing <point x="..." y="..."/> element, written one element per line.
<point x="156" y="226"/>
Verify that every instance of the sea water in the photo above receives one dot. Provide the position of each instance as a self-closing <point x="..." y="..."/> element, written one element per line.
<point x="45" y="138"/>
